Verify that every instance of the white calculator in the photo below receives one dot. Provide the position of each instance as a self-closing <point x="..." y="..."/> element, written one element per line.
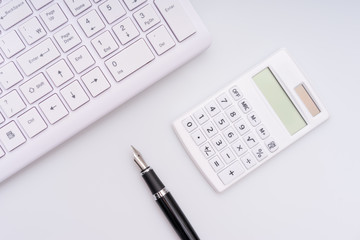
<point x="249" y="121"/>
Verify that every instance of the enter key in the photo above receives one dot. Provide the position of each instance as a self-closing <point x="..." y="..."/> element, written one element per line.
<point x="176" y="17"/>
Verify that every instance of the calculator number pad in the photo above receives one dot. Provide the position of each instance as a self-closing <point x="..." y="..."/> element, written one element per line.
<point x="230" y="135"/>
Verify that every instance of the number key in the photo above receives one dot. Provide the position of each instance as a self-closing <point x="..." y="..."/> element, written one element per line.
<point x="112" y="10"/>
<point x="125" y="31"/>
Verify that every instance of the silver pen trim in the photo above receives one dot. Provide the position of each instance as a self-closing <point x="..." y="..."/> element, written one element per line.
<point x="160" y="194"/>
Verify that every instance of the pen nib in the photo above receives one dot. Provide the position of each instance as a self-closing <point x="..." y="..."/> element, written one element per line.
<point x="138" y="159"/>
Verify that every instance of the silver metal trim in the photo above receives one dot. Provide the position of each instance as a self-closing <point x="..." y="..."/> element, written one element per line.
<point x="160" y="193"/>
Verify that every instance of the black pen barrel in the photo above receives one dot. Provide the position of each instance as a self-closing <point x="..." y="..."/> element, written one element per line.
<point x="176" y="217"/>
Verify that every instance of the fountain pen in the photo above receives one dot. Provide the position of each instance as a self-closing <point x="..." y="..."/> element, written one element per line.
<point x="165" y="200"/>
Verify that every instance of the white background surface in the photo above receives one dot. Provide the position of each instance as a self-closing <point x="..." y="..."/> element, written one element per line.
<point x="89" y="188"/>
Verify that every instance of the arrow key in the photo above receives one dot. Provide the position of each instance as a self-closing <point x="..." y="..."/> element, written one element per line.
<point x="53" y="109"/>
<point x="95" y="82"/>
<point x="74" y="95"/>
<point x="60" y="73"/>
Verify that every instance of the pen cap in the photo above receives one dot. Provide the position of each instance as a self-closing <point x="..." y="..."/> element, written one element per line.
<point x="152" y="180"/>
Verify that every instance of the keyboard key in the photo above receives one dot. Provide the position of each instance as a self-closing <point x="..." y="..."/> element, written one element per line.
<point x="125" y="31"/>
<point x="78" y="6"/>
<point x="233" y="113"/>
<point x="123" y="63"/>
<point x="74" y="95"/>
<point x="95" y="82"/>
<point x="12" y="103"/>
<point x="11" y="136"/>
<point x="11" y="44"/>
<point x="36" y="88"/>
<point x="60" y="73"/>
<point x="2" y="153"/>
<point x="104" y="44"/>
<point x="112" y="10"/>
<point x="231" y="172"/>
<point x="9" y="75"/>
<point x="161" y="40"/>
<point x="131" y="4"/>
<point x="146" y="17"/>
<point x="32" y="122"/>
<point x="32" y="30"/>
<point x="13" y="12"/>
<point x="91" y="23"/>
<point x="67" y="38"/>
<point x="53" y="17"/>
<point x="53" y="109"/>
<point x="81" y="59"/>
<point x="40" y="3"/>
<point x="176" y="17"/>
<point x="38" y="56"/>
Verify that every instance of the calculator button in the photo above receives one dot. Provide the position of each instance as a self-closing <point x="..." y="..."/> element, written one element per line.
<point x="223" y="100"/>
<point x="198" y="137"/>
<point x="230" y="134"/>
<point x="209" y="129"/>
<point x="248" y="160"/>
<point x="200" y="116"/>
<point x="216" y="164"/>
<point x="250" y="139"/>
<point x="231" y="172"/>
<point x="239" y="147"/>
<point x="212" y="108"/>
<point x="218" y="142"/>
<point x="233" y="113"/>
<point x="221" y="121"/>
<point x="260" y="152"/>
<point x="227" y="155"/>
<point x="271" y="145"/>
<point x="253" y="119"/>
<point x="189" y="124"/>
<point x="207" y="150"/>
<point x="244" y="106"/>
<point x="262" y="132"/>
<point x="236" y="93"/>
<point x="242" y="127"/>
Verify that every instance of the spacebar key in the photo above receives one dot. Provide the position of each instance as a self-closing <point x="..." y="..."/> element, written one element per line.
<point x="38" y="56"/>
<point x="176" y="17"/>
<point x="129" y="60"/>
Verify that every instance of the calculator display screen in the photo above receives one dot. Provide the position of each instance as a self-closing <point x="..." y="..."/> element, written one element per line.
<point x="279" y="101"/>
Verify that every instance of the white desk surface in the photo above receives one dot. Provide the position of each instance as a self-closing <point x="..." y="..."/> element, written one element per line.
<point x="89" y="188"/>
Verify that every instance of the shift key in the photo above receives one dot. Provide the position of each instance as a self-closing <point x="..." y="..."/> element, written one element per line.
<point x="38" y="56"/>
<point x="176" y="17"/>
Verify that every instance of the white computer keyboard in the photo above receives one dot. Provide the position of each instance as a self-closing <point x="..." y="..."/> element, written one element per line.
<point x="64" y="64"/>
